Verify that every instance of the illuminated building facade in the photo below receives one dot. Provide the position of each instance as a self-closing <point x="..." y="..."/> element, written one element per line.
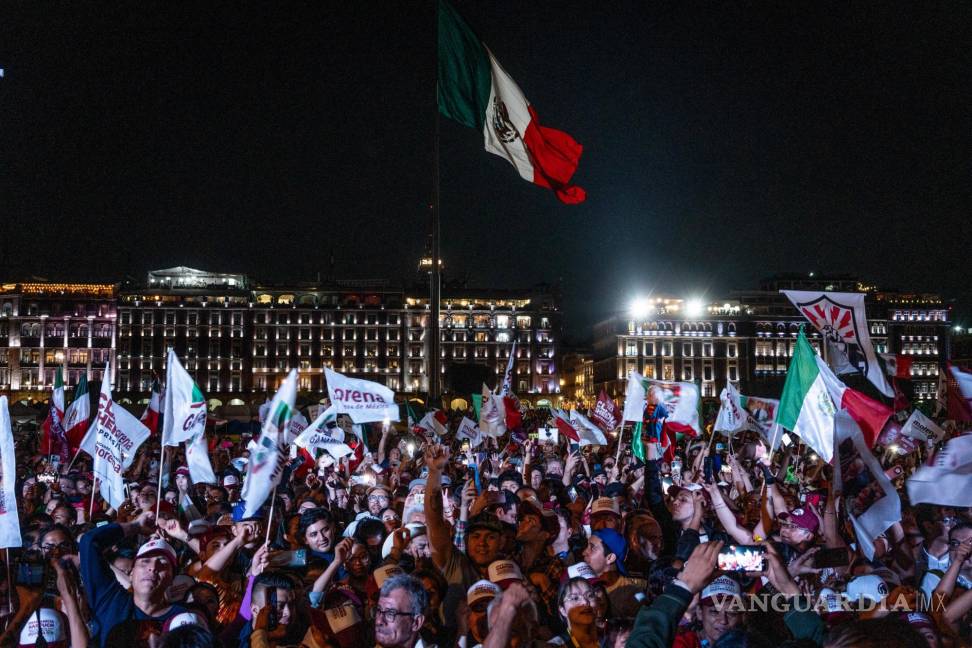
<point x="44" y="325"/>
<point x="240" y="338"/>
<point x="748" y="338"/>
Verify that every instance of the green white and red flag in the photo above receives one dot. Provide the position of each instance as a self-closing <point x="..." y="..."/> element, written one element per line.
<point x="77" y="417"/>
<point x="185" y="405"/>
<point x="54" y="439"/>
<point x="475" y="90"/>
<point x="150" y="417"/>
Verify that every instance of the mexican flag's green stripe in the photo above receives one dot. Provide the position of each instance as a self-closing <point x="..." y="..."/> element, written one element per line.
<point x="464" y="77"/>
<point x="806" y="408"/>
<point x="802" y="374"/>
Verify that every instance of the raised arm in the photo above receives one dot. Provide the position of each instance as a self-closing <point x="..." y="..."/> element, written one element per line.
<point x="78" y="629"/>
<point x="440" y="533"/>
<point x="728" y="520"/>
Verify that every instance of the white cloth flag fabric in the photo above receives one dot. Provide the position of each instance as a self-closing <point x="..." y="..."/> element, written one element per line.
<point x="922" y="428"/>
<point x="492" y="414"/>
<point x="872" y="502"/>
<point x="732" y="417"/>
<point x="184" y="404"/>
<point x="9" y="520"/>
<point x="634" y="398"/>
<point x="297" y="425"/>
<point x="469" y="430"/>
<point x="322" y="434"/>
<point x="507" y="387"/>
<point x="197" y="458"/>
<point x="363" y="400"/>
<point x="117" y="436"/>
<point x="589" y="433"/>
<point x="841" y="320"/>
<point x="268" y="455"/>
<point x="947" y="481"/>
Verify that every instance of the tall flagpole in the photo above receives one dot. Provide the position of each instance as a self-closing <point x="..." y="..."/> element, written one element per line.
<point x="434" y="278"/>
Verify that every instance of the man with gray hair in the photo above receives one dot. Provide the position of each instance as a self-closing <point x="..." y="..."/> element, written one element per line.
<point x="400" y="613"/>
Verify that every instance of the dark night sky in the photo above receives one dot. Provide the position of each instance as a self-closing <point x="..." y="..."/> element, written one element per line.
<point x="723" y="142"/>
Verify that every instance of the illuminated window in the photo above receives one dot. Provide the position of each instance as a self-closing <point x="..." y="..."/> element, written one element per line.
<point x="264" y="299"/>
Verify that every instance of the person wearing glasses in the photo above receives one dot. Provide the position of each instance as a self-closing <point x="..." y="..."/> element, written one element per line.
<point x="378" y="500"/>
<point x="577" y="604"/>
<point x="400" y="613"/>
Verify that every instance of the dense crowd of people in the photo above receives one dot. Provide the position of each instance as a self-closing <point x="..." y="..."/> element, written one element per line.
<point x="514" y="542"/>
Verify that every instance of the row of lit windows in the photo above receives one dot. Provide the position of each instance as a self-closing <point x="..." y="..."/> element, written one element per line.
<point x="667" y="349"/>
<point x="688" y="372"/>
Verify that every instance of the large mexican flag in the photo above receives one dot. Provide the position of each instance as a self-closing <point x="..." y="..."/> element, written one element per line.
<point x="474" y="90"/>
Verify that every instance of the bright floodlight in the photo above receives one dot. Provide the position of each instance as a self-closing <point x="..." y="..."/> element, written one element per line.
<point x="694" y="308"/>
<point x="640" y="308"/>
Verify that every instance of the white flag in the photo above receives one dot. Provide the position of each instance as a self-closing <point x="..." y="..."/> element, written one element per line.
<point x="117" y="436"/>
<point x="297" y="425"/>
<point x="948" y="480"/>
<point x="268" y="455"/>
<point x="841" y="320"/>
<point x="9" y="520"/>
<point x="492" y="414"/>
<point x="197" y="458"/>
<point x="507" y="386"/>
<point x="185" y="405"/>
<point x="363" y="400"/>
<point x="922" y="428"/>
<point x="323" y="434"/>
<point x="588" y="433"/>
<point x="469" y="430"/>
<point x="732" y="417"/>
<point x="634" y="398"/>
<point x="872" y="502"/>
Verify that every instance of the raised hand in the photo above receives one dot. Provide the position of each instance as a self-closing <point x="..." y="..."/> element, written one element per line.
<point x="700" y="566"/>
<point x="436" y="457"/>
<point x="468" y="494"/>
<point x="803" y="564"/>
<point x="343" y="550"/>
<point x="261" y="560"/>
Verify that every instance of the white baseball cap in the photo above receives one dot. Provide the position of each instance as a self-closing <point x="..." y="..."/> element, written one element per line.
<point x="504" y="572"/>
<point x="605" y="505"/>
<point x="157" y="546"/>
<point x="869" y="587"/>
<point x="722" y="586"/>
<point x="47" y="622"/>
<point x="481" y="589"/>
<point x="581" y="570"/>
<point x="184" y="619"/>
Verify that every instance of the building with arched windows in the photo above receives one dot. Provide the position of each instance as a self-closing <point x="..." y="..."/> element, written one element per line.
<point x="747" y="338"/>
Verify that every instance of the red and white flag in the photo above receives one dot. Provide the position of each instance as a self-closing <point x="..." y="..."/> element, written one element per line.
<point x="514" y="418"/>
<point x="564" y="425"/>
<point x="606" y="413"/>
<point x="436" y="422"/>
<point x="959" y="393"/>
<point x="589" y="433"/>
<point x="150" y="417"/>
<point x="869" y="414"/>
<point x="897" y="365"/>
<point x="77" y="417"/>
<point x="54" y="439"/>
<point x="840" y="318"/>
